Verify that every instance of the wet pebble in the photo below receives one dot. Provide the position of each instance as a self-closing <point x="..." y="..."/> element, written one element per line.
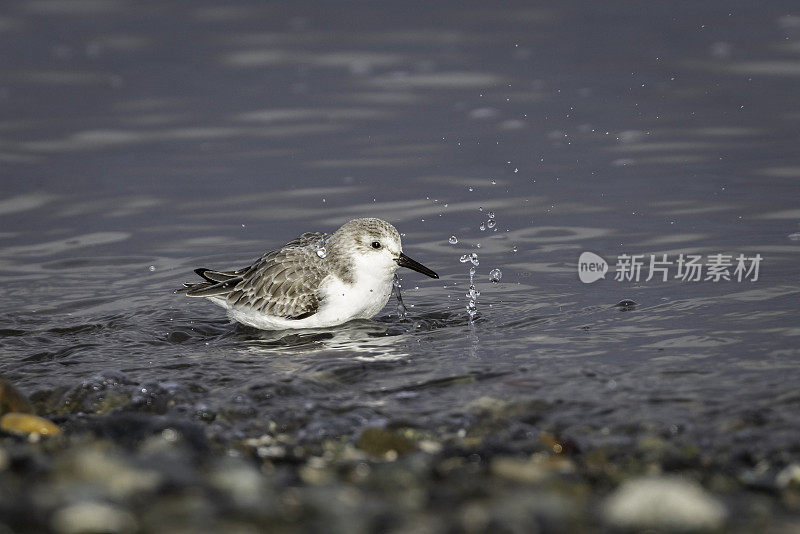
<point x="27" y="424"/>
<point x="380" y="441"/>
<point x="663" y="503"/>
<point x="101" y="393"/>
<point x="12" y="400"/>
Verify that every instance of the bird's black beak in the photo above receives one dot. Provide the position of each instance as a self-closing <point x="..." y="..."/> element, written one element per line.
<point x="405" y="261"/>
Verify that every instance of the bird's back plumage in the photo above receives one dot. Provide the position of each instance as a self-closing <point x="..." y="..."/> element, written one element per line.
<point x="282" y="283"/>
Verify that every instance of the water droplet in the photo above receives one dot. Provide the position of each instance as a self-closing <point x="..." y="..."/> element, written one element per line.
<point x="471" y="189"/>
<point x="480" y="208"/>
<point x="453" y="240"/>
<point x="491" y="223"/>
<point x="491" y="215"/>
<point x="321" y="252"/>
<point x="494" y="182"/>
<point x="464" y="258"/>
<point x="516" y="171"/>
<point x="151" y="268"/>
<point x="472" y="305"/>
<point x="514" y="248"/>
<point x="495" y="275"/>
<point x="402" y="312"/>
<point x="482" y="227"/>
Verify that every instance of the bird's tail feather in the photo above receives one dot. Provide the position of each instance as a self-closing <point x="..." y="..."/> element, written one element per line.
<point x="216" y="283"/>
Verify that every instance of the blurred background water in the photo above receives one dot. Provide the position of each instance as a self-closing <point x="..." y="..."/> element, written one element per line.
<point x="139" y="140"/>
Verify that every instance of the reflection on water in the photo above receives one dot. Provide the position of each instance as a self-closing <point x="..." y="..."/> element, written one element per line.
<point x="133" y="151"/>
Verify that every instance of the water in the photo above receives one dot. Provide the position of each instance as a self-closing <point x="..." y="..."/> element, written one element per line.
<point x="138" y="142"/>
<point x="402" y="311"/>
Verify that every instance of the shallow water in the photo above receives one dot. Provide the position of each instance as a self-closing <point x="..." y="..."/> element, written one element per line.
<point x="138" y="142"/>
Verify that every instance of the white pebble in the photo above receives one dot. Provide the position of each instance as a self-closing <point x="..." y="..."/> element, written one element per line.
<point x="664" y="504"/>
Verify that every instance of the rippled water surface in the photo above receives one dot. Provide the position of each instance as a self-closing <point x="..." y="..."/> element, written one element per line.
<point x="139" y="140"/>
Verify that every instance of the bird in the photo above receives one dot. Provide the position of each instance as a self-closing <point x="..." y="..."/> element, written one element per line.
<point x="317" y="280"/>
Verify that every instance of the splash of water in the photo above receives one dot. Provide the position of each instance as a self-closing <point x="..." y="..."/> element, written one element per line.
<point x="491" y="223"/>
<point x="402" y="312"/>
<point x="472" y="294"/>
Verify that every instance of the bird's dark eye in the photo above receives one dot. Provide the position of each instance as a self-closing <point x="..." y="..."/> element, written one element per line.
<point x="376" y="244"/>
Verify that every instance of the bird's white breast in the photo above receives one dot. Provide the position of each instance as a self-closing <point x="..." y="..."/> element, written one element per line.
<point x="361" y="300"/>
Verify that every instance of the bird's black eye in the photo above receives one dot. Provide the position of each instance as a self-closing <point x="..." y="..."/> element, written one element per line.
<point x="376" y="244"/>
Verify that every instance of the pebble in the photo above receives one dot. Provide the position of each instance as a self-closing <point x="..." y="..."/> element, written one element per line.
<point x="789" y="476"/>
<point x="537" y="468"/>
<point x="315" y="475"/>
<point x="379" y="441"/>
<point x="117" y="477"/>
<point x="518" y="470"/>
<point x="666" y="503"/>
<point x="90" y="517"/>
<point x="12" y="400"/>
<point x="240" y="482"/>
<point x="24" y="423"/>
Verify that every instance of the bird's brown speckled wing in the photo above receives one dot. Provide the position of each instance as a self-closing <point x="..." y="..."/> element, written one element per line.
<point x="283" y="283"/>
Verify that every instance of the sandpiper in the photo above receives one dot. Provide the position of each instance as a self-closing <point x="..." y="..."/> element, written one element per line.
<point x="316" y="280"/>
